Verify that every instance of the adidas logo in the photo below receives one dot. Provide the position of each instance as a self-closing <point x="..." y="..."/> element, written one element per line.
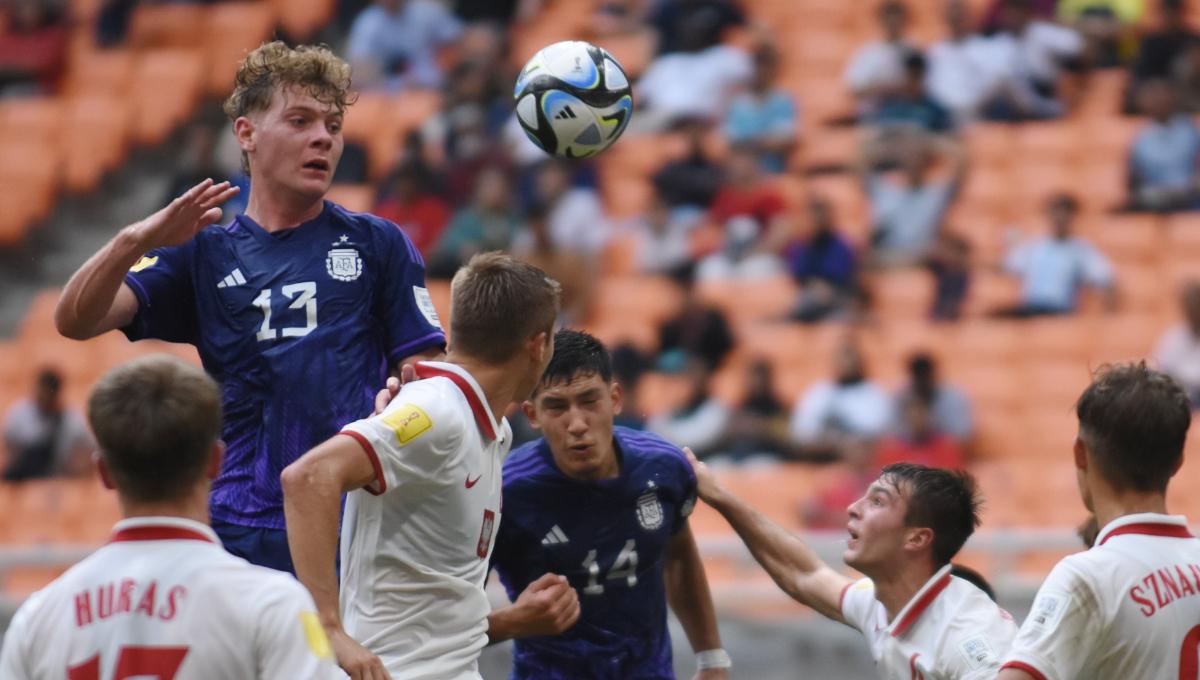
<point x="555" y="537"/>
<point x="565" y="114"/>
<point x="235" y="278"/>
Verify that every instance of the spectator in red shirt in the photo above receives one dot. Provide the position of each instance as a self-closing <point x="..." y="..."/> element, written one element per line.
<point x="413" y="204"/>
<point x="919" y="440"/>
<point x="33" y="43"/>
<point x="858" y="470"/>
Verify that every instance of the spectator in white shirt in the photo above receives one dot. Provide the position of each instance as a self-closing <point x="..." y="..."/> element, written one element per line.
<point x="908" y="206"/>
<point x="1178" y="353"/>
<point x="574" y="215"/>
<point x="1056" y="267"/>
<point x="1037" y="53"/>
<point x="1162" y="161"/>
<point x="662" y="237"/>
<point x="964" y="69"/>
<point x="878" y="67"/>
<point x="393" y="44"/>
<point x="832" y="413"/>
<point x="696" y="82"/>
<point x="43" y="437"/>
<point x="700" y="422"/>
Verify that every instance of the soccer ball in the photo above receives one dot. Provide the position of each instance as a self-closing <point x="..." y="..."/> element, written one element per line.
<point x="573" y="99"/>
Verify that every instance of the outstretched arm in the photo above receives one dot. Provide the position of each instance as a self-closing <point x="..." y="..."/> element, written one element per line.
<point x="312" y="492"/>
<point x="794" y="567"/>
<point x="96" y="299"/>
<point x="690" y="599"/>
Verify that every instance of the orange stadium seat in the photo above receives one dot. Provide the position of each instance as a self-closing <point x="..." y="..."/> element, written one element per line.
<point x="765" y="300"/>
<point x="36" y="120"/>
<point x="232" y="30"/>
<point x="165" y="90"/>
<point x="95" y="140"/>
<point x="354" y="197"/>
<point x="303" y="19"/>
<point x="167" y="25"/>
<point x="101" y="72"/>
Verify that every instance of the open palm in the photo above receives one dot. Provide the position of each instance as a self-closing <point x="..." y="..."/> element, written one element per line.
<point x="177" y="223"/>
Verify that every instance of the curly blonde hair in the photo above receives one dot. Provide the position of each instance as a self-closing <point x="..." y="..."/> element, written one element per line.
<point x="315" y="69"/>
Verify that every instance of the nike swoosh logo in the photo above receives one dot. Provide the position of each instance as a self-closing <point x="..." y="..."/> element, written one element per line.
<point x="470" y="483"/>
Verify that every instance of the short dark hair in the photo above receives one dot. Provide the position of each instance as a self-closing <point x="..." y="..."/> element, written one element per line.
<point x="156" y="420"/>
<point x="1134" y="420"/>
<point x="497" y="303"/>
<point x="974" y="578"/>
<point x="577" y="354"/>
<point x="49" y="379"/>
<point x="946" y="501"/>
<point x="1065" y="201"/>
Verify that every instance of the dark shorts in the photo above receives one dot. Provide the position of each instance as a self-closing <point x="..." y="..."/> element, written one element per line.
<point x="264" y="547"/>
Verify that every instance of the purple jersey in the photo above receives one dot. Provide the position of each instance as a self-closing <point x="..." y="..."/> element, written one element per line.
<point x="299" y="328"/>
<point x="609" y="538"/>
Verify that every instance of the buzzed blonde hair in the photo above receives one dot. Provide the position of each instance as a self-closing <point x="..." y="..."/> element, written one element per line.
<point x="497" y="303"/>
<point x="272" y="66"/>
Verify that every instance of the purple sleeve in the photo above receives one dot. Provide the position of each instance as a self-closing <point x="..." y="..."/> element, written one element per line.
<point x="687" y="502"/>
<point x="404" y="307"/>
<point x="162" y="282"/>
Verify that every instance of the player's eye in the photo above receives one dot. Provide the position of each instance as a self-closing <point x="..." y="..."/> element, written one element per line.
<point x="335" y="127"/>
<point x="297" y="121"/>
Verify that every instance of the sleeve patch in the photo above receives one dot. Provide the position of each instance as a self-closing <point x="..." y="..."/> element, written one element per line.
<point x="425" y="304"/>
<point x="408" y="422"/>
<point x="979" y="654"/>
<point x="145" y="263"/>
<point x="1048" y="610"/>
<point x="314" y="634"/>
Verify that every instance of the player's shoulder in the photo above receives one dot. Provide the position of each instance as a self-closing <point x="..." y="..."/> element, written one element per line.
<point x="427" y="405"/>
<point x="526" y="464"/>
<point x="640" y="447"/>
<point x="969" y="605"/>
<point x="368" y="226"/>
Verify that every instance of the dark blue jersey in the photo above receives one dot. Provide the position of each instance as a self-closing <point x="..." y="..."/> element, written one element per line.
<point x="610" y="539"/>
<point x="299" y="327"/>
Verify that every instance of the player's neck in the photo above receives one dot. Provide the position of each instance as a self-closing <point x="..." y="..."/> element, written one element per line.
<point x="1110" y="505"/>
<point x="499" y="383"/>
<point x="193" y="507"/>
<point x="278" y="210"/>
<point x="897" y="587"/>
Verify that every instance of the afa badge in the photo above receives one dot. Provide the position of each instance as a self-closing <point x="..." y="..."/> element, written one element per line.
<point x="145" y="263"/>
<point x="649" y="509"/>
<point x="342" y="262"/>
<point x="408" y="422"/>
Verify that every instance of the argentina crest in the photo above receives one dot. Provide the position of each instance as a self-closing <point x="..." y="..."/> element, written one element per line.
<point x="649" y="509"/>
<point x="343" y="263"/>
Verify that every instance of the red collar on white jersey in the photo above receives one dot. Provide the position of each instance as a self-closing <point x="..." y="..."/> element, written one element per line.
<point x="161" y="529"/>
<point x="1146" y="524"/>
<point x="921" y="601"/>
<point x="470" y="389"/>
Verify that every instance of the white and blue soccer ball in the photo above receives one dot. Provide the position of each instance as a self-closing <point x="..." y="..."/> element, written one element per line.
<point x="573" y="99"/>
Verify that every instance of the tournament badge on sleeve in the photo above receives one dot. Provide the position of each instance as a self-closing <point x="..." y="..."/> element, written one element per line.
<point x="343" y="262"/>
<point x="649" y="509"/>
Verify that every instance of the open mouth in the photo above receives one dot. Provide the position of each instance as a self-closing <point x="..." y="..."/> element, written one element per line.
<point x="853" y="534"/>
<point x="581" y="449"/>
<point x="317" y="164"/>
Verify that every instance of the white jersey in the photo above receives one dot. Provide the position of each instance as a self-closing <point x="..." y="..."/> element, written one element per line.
<point x="1128" y="608"/>
<point x="949" y="630"/>
<point x="416" y="541"/>
<point x="164" y="600"/>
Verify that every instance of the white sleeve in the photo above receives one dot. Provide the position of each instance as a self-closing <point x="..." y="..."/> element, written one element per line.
<point x="858" y="600"/>
<point x="1017" y="260"/>
<point x="1062" y="628"/>
<point x="14" y="654"/>
<point x="411" y="441"/>
<point x="861" y="73"/>
<point x="1096" y="269"/>
<point x="809" y="414"/>
<point x="1169" y="352"/>
<point x="289" y="639"/>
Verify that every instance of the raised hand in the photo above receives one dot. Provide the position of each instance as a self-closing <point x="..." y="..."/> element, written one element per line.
<point x="177" y="223"/>
<point x="706" y="482"/>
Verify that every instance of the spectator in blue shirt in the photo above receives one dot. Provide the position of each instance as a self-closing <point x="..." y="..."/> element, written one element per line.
<point x="824" y="265"/>
<point x="393" y="44"/>
<point x="1055" y="268"/>
<point x="1162" y="161"/>
<point x="764" y="118"/>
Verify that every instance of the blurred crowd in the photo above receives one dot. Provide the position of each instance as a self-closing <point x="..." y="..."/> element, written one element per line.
<point x="467" y="180"/>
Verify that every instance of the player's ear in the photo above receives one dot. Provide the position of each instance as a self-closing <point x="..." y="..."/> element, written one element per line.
<point x="540" y="347"/>
<point x="920" y="538"/>
<point x="103" y="471"/>
<point x="530" y="413"/>
<point x="1081" y="457"/>
<point x="618" y="397"/>
<point x="214" y="460"/>
<point x="243" y="129"/>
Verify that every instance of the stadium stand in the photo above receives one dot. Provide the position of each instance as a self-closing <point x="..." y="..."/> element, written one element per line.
<point x="1022" y="376"/>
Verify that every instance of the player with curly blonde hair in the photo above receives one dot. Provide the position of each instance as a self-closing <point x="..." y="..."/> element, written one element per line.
<point x="298" y="307"/>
